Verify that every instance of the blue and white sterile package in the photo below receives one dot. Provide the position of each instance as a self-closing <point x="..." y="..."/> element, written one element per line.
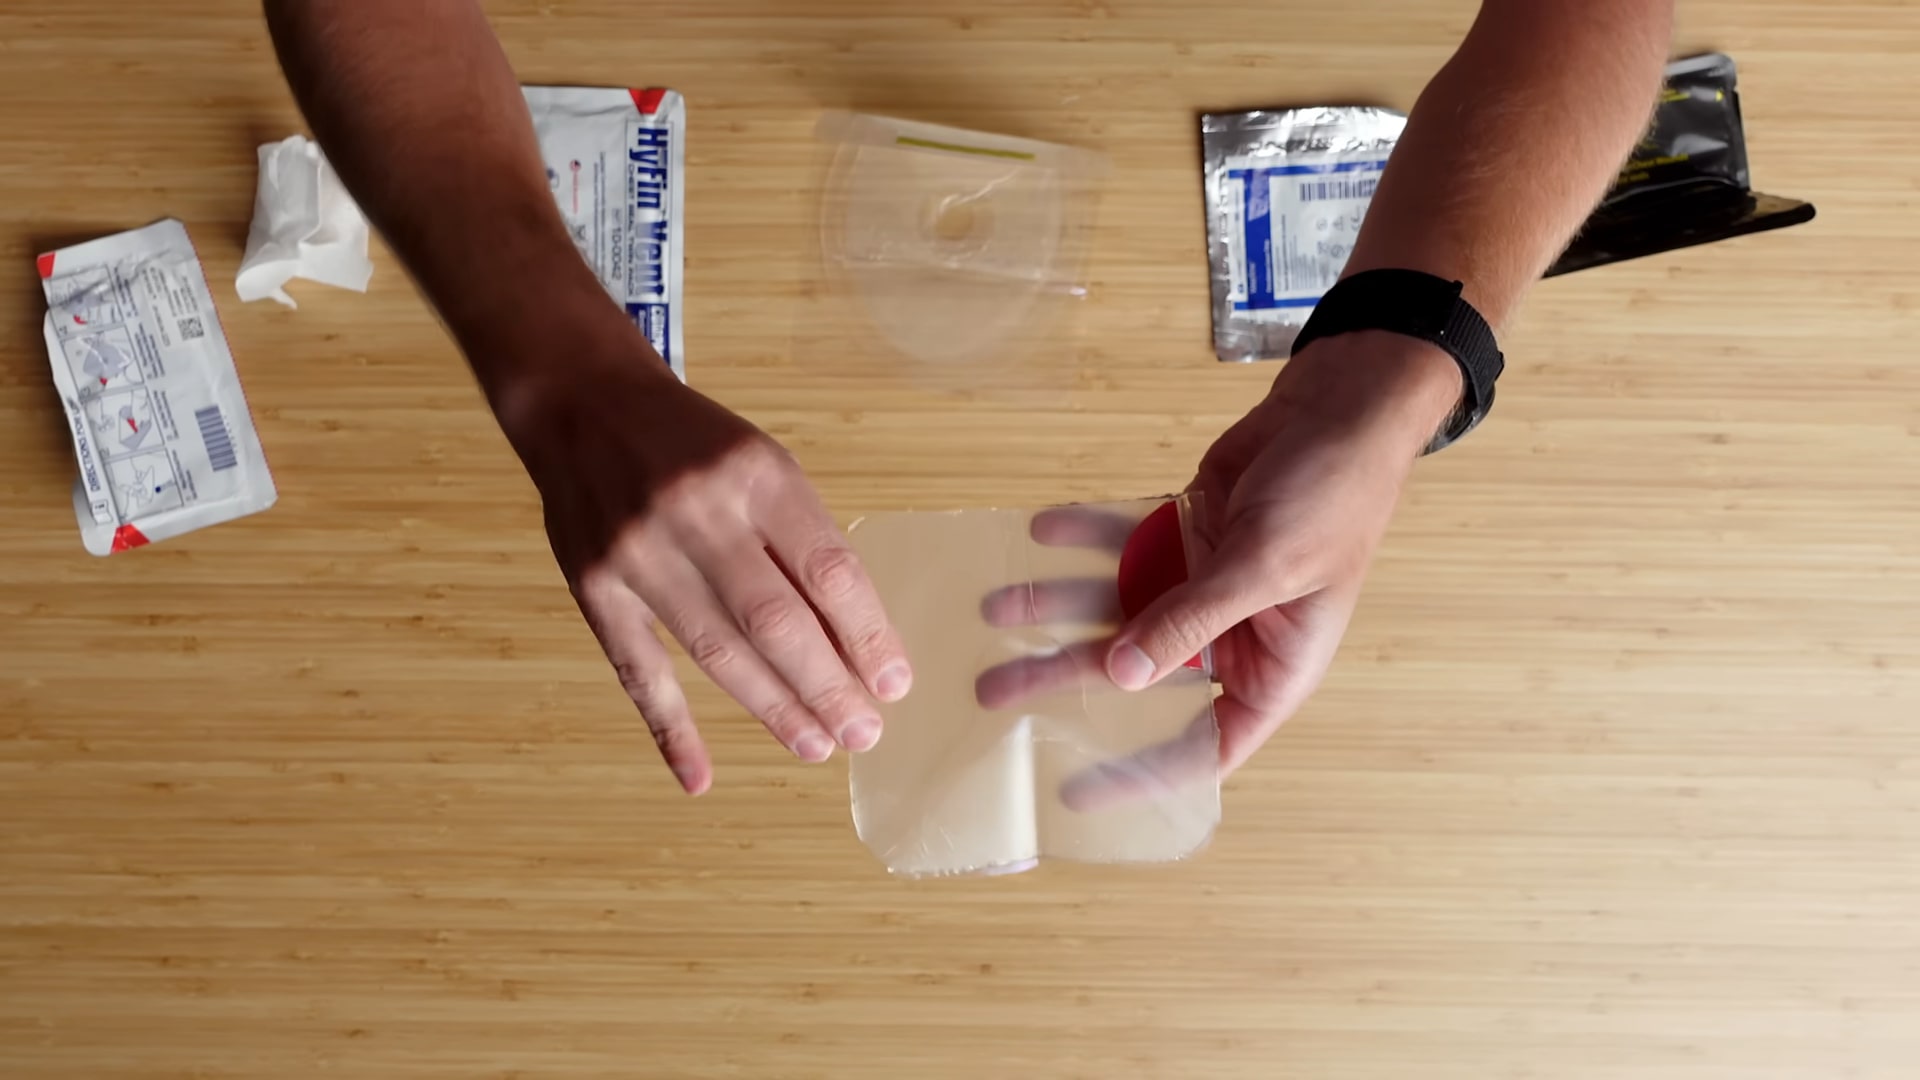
<point x="1286" y="193"/>
<point x="616" y="161"/>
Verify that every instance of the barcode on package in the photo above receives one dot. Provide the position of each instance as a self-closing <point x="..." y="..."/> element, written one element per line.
<point x="213" y="432"/>
<point x="191" y="328"/>
<point x="1323" y="190"/>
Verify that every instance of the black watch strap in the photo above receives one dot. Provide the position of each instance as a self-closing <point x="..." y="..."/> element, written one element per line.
<point x="1423" y="306"/>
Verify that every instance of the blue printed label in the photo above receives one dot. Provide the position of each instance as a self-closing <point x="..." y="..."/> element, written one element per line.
<point x="648" y="170"/>
<point x="652" y="321"/>
<point x="1295" y="228"/>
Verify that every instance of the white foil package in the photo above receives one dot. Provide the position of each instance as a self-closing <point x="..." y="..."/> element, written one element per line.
<point x="1014" y="745"/>
<point x="305" y="225"/>
<point x="1286" y="193"/>
<point x="160" y="427"/>
<point x="616" y="162"/>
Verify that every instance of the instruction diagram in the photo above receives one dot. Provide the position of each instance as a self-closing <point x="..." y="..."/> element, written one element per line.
<point x="102" y="361"/>
<point x="144" y="484"/>
<point x="122" y="422"/>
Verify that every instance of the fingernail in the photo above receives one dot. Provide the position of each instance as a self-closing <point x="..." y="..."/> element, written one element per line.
<point x="895" y="681"/>
<point x="861" y="734"/>
<point x="1129" y="668"/>
<point x="814" y="747"/>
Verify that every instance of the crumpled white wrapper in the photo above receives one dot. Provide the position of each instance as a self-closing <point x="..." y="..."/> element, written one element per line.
<point x="305" y="225"/>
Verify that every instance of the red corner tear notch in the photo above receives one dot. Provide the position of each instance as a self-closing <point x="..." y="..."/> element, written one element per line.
<point x="126" y="538"/>
<point x="648" y="101"/>
<point x="45" y="264"/>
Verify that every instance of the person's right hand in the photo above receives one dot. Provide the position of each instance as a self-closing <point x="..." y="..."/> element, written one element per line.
<point x="663" y="506"/>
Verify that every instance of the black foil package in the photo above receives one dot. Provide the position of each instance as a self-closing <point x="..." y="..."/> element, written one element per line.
<point x="1686" y="182"/>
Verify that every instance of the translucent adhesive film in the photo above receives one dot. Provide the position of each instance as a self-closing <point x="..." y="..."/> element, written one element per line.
<point x="951" y="255"/>
<point x="1014" y="744"/>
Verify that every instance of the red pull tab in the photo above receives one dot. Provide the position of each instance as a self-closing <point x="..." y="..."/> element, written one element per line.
<point x="126" y="538"/>
<point x="1153" y="562"/>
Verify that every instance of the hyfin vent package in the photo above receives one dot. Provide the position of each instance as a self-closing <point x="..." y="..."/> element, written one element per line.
<point x="1286" y="192"/>
<point x="616" y="161"/>
<point x="160" y="427"/>
<point x="1014" y="745"/>
<point x="953" y="257"/>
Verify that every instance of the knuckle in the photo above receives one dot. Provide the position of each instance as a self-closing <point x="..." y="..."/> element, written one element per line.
<point x="710" y="652"/>
<point x="1283" y="569"/>
<point x="833" y="572"/>
<point x="686" y="505"/>
<point x="873" y="644"/>
<point x="631" y="542"/>
<point x="1289" y="581"/>
<point x="762" y="455"/>
<point x="750" y="461"/>
<point x="787" y="720"/>
<point x="672" y="495"/>
<point x="1183" y="628"/>
<point x="673" y="739"/>
<point x="774" y="620"/>
<point x="654" y="693"/>
<point x="591" y="583"/>
<point x="637" y="682"/>
<point x="838" y="700"/>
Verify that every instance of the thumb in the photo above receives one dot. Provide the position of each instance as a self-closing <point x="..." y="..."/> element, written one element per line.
<point x="1189" y="617"/>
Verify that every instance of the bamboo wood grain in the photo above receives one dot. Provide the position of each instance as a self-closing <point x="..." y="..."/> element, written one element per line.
<point x="1617" y="776"/>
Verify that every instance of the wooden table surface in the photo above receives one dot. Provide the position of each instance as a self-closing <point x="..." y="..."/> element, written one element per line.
<point x="1618" y="774"/>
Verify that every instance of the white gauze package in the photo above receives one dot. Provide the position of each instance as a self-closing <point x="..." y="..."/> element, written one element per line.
<point x="160" y="427"/>
<point x="1014" y="745"/>
<point x="616" y="161"/>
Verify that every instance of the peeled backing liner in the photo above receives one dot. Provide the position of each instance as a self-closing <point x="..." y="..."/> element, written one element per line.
<point x="959" y="786"/>
<point x="953" y="252"/>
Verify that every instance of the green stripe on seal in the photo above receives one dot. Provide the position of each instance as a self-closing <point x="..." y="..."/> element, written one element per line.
<point x="929" y="144"/>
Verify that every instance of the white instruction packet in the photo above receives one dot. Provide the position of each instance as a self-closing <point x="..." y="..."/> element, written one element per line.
<point x="160" y="427"/>
<point x="616" y="162"/>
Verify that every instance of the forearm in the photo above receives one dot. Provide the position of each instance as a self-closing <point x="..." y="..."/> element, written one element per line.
<point x="1514" y="141"/>
<point x="422" y="117"/>
<point x="1505" y="154"/>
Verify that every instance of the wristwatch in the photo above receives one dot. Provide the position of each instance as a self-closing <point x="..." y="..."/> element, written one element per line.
<point x="1426" y="307"/>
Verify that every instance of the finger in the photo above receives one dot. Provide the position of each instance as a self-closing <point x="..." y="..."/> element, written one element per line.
<point x="624" y="627"/>
<point x="1156" y="772"/>
<point x="687" y="606"/>
<point x="1296" y="654"/>
<point x="1082" y="526"/>
<point x="816" y="555"/>
<point x="1004" y="685"/>
<point x="1065" y="600"/>
<point x="783" y="629"/>
<point x="1189" y="617"/>
<point x="1245" y="728"/>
